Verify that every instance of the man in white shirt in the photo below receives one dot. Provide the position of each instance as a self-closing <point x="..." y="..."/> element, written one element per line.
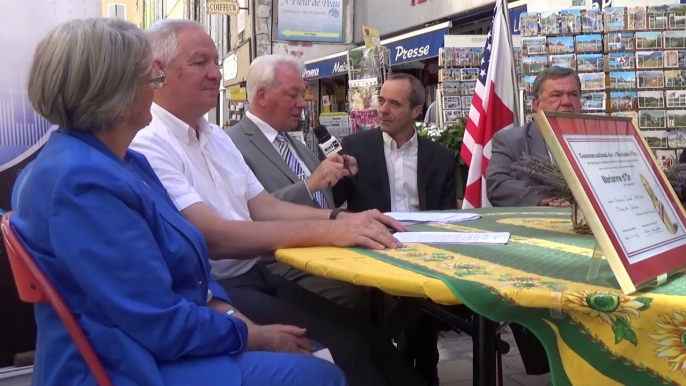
<point x="214" y="189"/>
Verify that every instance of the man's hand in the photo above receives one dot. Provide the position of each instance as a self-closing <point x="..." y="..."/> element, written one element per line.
<point x="554" y="202"/>
<point x="351" y="166"/>
<point x="326" y="174"/>
<point x="368" y="229"/>
<point x="278" y="338"/>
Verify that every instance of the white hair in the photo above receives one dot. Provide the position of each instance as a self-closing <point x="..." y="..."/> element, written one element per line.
<point x="164" y="37"/>
<point x="86" y="73"/>
<point x="262" y="72"/>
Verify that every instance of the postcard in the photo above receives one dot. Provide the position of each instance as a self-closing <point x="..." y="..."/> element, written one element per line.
<point x="592" y="81"/>
<point x="615" y="18"/>
<point x="593" y="101"/>
<point x="682" y="58"/>
<point x="675" y="78"/>
<point x="677" y="16"/>
<point x="468" y="88"/>
<point x="528" y="104"/>
<point x="651" y="100"/>
<point x="657" y="16"/>
<point x="649" y="59"/>
<point x="622" y="79"/>
<point x="536" y="46"/>
<point x="532" y="65"/>
<point x="451" y="116"/>
<point x="651" y="119"/>
<point x="636" y="18"/>
<point x="675" y="39"/>
<point x="470" y="74"/>
<point x="559" y="45"/>
<point x="529" y="83"/>
<point x="623" y="100"/>
<point x="590" y="63"/>
<point x="628" y="114"/>
<point x="452" y="101"/>
<point x="676" y="118"/>
<point x="656" y="138"/>
<point x="446" y="56"/>
<point x="466" y="101"/>
<point x="675" y="98"/>
<point x="620" y="41"/>
<point x="677" y="138"/>
<point x="550" y="23"/>
<point x="671" y="59"/>
<point x="621" y="61"/>
<point x="566" y="61"/>
<point x="528" y="23"/>
<point x="570" y="21"/>
<point x="665" y="158"/>
<point x="589" y="43"/>
<point x="650" y="79"/>
<point x="451" y="88"/>
<point x="591" y="20"/>
<point x="647" y="40"/>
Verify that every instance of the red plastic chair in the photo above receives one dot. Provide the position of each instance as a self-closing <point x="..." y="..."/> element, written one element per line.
<point x="34" y="287"/>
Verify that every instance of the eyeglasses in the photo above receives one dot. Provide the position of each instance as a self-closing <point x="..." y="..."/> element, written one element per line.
<point x="158" y="81"/>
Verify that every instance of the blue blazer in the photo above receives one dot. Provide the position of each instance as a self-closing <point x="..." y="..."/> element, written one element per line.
<point x="133" y="271"/>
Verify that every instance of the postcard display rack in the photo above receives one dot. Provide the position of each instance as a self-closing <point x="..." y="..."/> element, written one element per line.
<point x="458" y="73"/>
<point x="631" y="61"/>
<point x="368" y="68"/>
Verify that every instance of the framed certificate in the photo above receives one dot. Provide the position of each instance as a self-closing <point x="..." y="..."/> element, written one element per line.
<point x="634" y="213"/>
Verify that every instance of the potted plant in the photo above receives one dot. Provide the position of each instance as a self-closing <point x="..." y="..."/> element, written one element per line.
<point x="450" y="136"/>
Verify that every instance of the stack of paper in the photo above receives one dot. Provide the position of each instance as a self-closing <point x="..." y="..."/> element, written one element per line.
<point x="426" y="217"/>
<point x="491" y="238"/>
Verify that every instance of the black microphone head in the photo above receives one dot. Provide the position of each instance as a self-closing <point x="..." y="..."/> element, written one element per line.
<point x="322" y="133"/>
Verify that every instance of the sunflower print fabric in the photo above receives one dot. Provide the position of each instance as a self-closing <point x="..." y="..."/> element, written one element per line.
<point x="593" y="333"/>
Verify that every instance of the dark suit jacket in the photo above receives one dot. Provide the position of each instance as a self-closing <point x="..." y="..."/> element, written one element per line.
<point x="269" y="167"/>
<point x="436" y="175"/>
<point x="503" y="189"/>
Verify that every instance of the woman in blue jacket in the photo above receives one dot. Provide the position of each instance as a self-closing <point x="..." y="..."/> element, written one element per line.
<point x="99" y="223"/>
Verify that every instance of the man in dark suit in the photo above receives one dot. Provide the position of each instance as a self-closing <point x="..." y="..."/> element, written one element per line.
<point x="399" y="171"/>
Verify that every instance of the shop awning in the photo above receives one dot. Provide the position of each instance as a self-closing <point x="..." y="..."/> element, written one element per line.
<point x="417" y="45"/>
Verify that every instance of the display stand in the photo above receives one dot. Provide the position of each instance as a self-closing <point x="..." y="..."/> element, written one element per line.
<point x="368" y="68"/>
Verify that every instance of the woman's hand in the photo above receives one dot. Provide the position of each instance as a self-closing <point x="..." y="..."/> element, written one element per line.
<point x="278" y="338"/>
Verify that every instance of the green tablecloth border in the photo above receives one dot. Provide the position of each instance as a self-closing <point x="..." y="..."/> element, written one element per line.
<point x="489" y="302"/>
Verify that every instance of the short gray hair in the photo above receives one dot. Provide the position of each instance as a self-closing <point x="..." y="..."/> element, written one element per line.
<point x="164" y="37"/>
<point x="85" y="73"/>
<point x="262" y="72"/>
<point x="553" y="73"/>
<point x="417" y="90"/>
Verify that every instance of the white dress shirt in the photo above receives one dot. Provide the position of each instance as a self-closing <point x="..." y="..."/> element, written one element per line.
<point x="401" y="165"/>
<point x="200" y="168"/>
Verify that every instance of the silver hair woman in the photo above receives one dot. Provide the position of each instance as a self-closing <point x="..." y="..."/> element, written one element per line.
<point x="99" y="223"/>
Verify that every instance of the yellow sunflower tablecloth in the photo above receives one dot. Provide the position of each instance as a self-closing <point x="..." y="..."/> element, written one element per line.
<point x="594" y="335"/>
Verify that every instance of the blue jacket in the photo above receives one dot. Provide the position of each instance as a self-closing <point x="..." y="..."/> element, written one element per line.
<point x="133" y="271"/>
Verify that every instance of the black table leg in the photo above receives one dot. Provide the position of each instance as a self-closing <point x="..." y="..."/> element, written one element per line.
<point x="484" y="351"/>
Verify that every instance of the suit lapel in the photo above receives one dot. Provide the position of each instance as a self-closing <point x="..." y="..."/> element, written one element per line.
<point x="537" y="145"/>
<point x="262" y="144"/>
<point x="423" y="163"/>
<point x="378" y="157"/>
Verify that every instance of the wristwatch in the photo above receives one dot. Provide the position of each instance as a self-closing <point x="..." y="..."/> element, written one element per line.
<point x="230" y="312"/>
<point x="335" y="212"/>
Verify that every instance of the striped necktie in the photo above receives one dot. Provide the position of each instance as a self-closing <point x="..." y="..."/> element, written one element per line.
<point x="292" y="162"/>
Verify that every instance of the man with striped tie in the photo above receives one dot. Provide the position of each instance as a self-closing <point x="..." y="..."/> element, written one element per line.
<point x="285" y="166"/>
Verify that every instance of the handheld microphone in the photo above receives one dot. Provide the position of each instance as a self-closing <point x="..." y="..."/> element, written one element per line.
<point x="328" y="144"/>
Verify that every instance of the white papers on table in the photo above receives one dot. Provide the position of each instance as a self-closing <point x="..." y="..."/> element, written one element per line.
<point x="425" y="217"/>
<point x="492" y="238"/>
<point x="324" y="354"/>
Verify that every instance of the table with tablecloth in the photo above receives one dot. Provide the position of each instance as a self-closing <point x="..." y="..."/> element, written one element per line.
<point x="592" y="332"/>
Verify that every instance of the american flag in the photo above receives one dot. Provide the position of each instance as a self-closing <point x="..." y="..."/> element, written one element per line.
<point x="493" y="107"/>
